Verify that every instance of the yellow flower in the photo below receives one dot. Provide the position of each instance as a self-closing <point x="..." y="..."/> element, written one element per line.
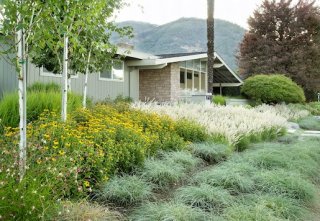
<point x="86" y="183"/>
<point x="61" y="152"/>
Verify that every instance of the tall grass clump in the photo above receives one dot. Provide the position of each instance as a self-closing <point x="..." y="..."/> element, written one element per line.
<point x="37" y="102"/>
<point x="84" y="211"/>
<point x="205" y="197"/>
<point x="41" y="87"/>
<point x="125" y="190"/>
<point x="168" y="211"/>
<point x="210" y="152"/>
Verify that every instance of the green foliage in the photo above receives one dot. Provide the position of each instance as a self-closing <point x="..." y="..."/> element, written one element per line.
<point x="37" y="102"/>
<point x="273" y="89"/>
<point x="210" y="152"/>
<point x="314" y="107"/>
<point x="191" y="131"/>
<point x="125" y="190"/>
<point x="310" y="123"/>
<point x="168" y="211"/>
<point x="29" y="199"/>
<point x="205" y="197"/>
<point x="219" y="100"/>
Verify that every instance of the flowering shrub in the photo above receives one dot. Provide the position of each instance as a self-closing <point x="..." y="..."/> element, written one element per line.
<point x="71" y="158"/>
<point x="236" y="125"/>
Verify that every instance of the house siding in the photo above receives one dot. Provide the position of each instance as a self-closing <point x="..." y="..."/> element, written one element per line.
<point x="98" y="90"/>
<point x="8" y="77"/>
<point x="160" y="84"/>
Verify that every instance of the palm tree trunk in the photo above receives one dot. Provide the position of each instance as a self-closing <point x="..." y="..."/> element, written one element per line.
<point x="210" y="43"/>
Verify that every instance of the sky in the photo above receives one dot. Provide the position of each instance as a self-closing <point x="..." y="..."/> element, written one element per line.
<point x="163" y="11"/>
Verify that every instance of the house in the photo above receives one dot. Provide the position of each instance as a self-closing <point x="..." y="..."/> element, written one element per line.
<point x="139" y="75"/>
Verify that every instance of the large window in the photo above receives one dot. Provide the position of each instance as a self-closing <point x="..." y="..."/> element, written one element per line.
<point x="115" y="73"/>
<point x="193" y="75"/>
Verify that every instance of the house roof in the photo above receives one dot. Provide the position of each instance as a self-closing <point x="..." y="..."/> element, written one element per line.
<point x="223" y="74"/>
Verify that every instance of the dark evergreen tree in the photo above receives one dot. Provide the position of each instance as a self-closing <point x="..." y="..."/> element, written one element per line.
<point x="284" y="37"/>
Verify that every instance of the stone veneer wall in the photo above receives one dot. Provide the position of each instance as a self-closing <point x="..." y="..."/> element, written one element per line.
<point x="160" y="84"/>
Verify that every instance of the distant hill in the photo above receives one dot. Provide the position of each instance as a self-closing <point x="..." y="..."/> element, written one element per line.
<point x="185" y="35"/>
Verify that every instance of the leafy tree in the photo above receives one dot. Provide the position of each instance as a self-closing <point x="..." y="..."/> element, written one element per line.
<point x="210" y="43"/>
<point x="19" y="19"/>
<point x="78" y="38"/>
<point x="284" y="37"/>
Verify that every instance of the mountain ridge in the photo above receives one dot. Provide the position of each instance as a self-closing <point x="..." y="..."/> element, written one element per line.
<point x="184" y="35"/>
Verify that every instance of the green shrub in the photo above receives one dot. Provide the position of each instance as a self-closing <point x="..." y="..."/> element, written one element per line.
<point x="314" y="107"/>
<point x="41" y="87"/>
<point x="191" y="131"/>
<point x="168" y="211"/>
<point x="37" y="102"/>
<point x="219" y="100"/>
<point x="204" y="197"/>
<point x="126" y="190"/>
<point x="30" y="199"/>
<point x="212" y="153"/>
<point x="310" y="123"/>
<point x="273" y="89"/>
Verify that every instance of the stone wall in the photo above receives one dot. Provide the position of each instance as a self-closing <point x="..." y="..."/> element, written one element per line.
<point x="160" y="84"/>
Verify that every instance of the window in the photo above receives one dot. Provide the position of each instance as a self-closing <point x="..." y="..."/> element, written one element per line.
<point x="189" y="75"/>
<point x="44" y="72"/>
<point x="116" y="72"/>
<point x="182" y="81"/>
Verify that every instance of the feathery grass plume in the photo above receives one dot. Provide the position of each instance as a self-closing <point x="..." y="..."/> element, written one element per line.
<point x="84" y="211"/>
<point x="183" y="158"/>
<point x="212" y="153"/>
<point x="168" y="211"/>
<point x="205" y="197"/>
<point x="162" y="173"/>
<point x="126" y="190"/>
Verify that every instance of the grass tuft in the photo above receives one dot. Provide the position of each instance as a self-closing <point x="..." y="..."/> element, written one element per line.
<point x="211" y="153"/>
<point x="204" y="197"/>
<point x="310" y="123"/>
<point x="84" y="211"/>
<point x="162" y="173"/>
<point x="236" y="178"/>
<point x="183" y="158"/>
<point x="168" y="211"/>
<point x="126" y="190"/>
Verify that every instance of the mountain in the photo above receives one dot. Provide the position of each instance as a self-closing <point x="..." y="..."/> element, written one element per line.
<point x="185" y="35"/>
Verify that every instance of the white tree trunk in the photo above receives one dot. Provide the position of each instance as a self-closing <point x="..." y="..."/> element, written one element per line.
<point x="21" y="63"/>
<point x="84" y="102"/>
<point x="65" y="80"/>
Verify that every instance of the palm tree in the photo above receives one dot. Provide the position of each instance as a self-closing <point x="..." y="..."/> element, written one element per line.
<point x="210" y="43"/>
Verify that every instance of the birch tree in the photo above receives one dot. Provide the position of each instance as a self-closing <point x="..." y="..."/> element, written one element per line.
<point x="80" y="31"/>
<point x="18" y="22"/>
